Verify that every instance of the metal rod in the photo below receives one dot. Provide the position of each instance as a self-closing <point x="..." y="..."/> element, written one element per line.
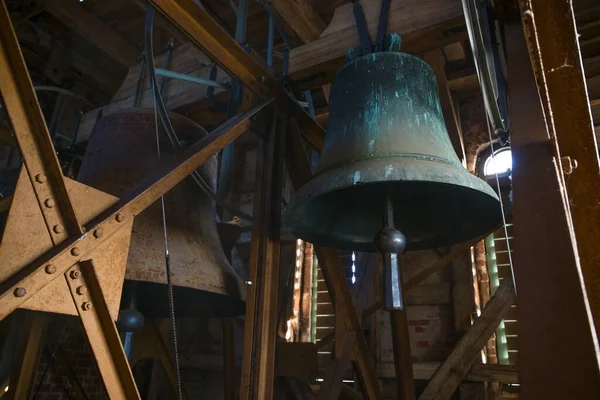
<point x="390" y="243"/>
<point x="310" y="105"/>
<point x="140" y="82"/>
<point x="361" y="26"/>
<point x="169" y="51"/>
<point x="383" y="23"/>
<point x="188" y="78"/>
<point x="271" y="41"/>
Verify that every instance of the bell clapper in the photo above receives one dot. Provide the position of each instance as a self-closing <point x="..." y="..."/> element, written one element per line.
<point x="130" y="319"/>
<point x="390" y="242"/>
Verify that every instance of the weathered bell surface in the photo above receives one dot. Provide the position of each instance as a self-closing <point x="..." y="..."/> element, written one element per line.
<point x="122" y="151"/>
<point x="386" y="132"/>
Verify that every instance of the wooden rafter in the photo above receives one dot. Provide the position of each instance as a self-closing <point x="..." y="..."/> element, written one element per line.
<point x="88" y="26"/>
<point x="456" y="367"/>
<point x="301" y="16"/>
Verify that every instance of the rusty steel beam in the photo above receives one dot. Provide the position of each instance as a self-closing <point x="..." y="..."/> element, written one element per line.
<point x="101" y="331"/>
<point x="36" y="276"/>
<point x="258" y="362"/>
<point x="552" y="308"/>
<point x="31" y="132"/>
<point x="554" y="50"/>
<point x="244" y="66"/>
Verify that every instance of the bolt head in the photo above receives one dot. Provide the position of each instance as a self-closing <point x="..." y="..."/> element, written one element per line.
<point x="86" y="306"/>
<point x="75" y="274"/>
<point x="49" y="203"/>
<point x="81" y="290"/>
<point x="98" y="233"/>
<point x="120" y="217"/>
<point x="58" y="229"/>
<point x="41" y="178"/>
<point x="75" y="251"/>
<point x="20" y="292"/>
<point x="50" y="269"/>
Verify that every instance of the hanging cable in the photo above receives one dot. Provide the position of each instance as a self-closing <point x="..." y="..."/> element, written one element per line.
<point x="167" y="256"/>
<point x="166" y="121"/>
<point x="510" y="261"/>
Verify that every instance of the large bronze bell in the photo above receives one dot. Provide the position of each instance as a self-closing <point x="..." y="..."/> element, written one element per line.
<point x="121" y="152"/>
<point x="386" y="134"/>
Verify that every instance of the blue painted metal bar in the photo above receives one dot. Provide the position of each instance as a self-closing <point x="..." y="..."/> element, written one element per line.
<point x="188" y="78"/>
<point x="311" y="105"/>
<point x="361" y="26"/>
<point x="271" y="41"/>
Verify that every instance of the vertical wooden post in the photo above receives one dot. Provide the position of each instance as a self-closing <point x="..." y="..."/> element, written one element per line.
<point x="229" y="380"/>
<point x="552" y="302"/>
<point x="258" y="360"/>
<point x="405" y="384"/>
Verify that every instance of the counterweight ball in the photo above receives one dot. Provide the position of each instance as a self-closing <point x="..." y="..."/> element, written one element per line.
<point x="130" y="320"/>
<point x="390" y="240"/>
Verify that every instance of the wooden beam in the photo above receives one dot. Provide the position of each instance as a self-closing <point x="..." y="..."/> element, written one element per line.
<point x="300" y="173"/>
<point x="436" y="61"/>
<point x="456" y="367"/>
<point x="423" y="26"/>
<point x="332" y="383"/>
<point x="258" y="361"/>
<point x="539" y="202"/>
<point x="301" y="16"/>
<point x="405" y="383"/>
<point x="478" y="372"/>
<point x="88" y="26"/>
<point x="553" y="43"/>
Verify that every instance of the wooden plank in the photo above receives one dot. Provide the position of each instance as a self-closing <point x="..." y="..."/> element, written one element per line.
<point x="86" y="25"/>
<point x="463" y="296"/>
<point x="301" y="16"/>
<point x="436" y="61"/>
<point x="430" y="293"/>
<point x="332" y="383"/>
<point x="478" y="372"/>
<point x="454" y="52"/>
<point x="424" y="26"/>
<point x="456" y="367"/>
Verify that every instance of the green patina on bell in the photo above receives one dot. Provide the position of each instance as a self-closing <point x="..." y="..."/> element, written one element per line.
<point x="386" y="132"/>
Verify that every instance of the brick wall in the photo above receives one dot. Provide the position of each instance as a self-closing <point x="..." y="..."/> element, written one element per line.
<point x="474" y="127"/>
<point x="65" y="333"/>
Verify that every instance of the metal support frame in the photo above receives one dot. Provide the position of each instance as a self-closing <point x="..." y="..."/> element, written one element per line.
<point x="71" y="254"/>
<point x="70" y="258"/>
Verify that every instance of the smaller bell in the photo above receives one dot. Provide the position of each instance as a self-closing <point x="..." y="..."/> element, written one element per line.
<point x="386" y="137"/>
<point x="122" y="151"/>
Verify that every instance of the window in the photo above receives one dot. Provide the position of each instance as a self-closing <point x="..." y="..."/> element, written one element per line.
<point x="499" y="163"/>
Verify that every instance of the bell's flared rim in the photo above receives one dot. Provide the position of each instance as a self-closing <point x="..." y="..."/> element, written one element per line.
<point x="343" y="207"/>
